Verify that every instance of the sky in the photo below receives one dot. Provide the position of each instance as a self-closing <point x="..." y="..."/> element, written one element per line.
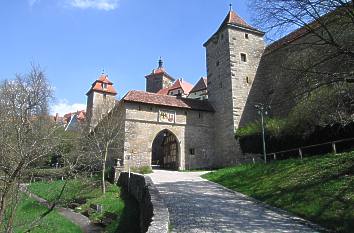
<point x="75" y="40"/>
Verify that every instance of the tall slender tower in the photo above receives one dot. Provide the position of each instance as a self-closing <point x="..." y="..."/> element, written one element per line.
<point x="158" y="79"/>
<point x="100" y="99"/>
<point x="233" y="54"/>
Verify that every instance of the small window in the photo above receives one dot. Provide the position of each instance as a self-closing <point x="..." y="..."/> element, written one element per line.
<point x="192" y="151"/>
<point x="139" y="108"/>
<point x="217" y="63"/>
<point x="246" y="36"/>
<point x="104" y="86"/>
<point x="243" y="57"/>
<point x="200" y="115"/>
<point x="248" y="80"/>
<point x="179" y="92"/>
<point x="220" y="84"/>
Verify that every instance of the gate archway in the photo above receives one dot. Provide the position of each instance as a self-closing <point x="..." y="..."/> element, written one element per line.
<point x="165" y="150"/>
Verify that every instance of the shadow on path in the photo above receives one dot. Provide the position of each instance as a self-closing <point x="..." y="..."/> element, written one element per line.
<point x="197" y="205"/>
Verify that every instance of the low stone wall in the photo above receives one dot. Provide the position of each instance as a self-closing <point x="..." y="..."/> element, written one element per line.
<point x="154" y="216"/>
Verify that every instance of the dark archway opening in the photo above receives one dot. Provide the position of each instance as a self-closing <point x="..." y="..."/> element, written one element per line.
<point x="165" y="150"/>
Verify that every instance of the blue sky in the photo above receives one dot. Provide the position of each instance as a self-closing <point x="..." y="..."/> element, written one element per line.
<point x="73" y="40"/>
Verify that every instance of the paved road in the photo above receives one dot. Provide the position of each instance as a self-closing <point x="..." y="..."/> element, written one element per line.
<point x="197" y="205"/>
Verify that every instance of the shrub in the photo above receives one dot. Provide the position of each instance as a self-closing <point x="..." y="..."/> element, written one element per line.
<point x="142" y="170"/>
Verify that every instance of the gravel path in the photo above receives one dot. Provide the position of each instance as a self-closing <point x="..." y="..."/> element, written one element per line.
<point x="82" y="221"/>
<point x="197" y="205"/>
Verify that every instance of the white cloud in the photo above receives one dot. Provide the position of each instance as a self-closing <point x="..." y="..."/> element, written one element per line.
<point x="64" y="107"/>
<point x="106" y="5"/>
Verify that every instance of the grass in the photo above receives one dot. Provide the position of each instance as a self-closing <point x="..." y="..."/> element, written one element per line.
<point x="320" y="188"/>
<point x="142" y="170"/>
<point x="86" y="193"/>
<point x="29" y="210"/>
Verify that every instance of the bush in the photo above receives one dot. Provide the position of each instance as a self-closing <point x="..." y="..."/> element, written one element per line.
<point x="52" y="173"/>
<point x="142" y="170"/>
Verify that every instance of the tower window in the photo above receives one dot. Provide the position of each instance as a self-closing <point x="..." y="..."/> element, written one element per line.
<point x="248" y="81"/>
<point x="243" y="57"/>
<point x="217" y="63"/>
<point x="191" y="151"/>
<point x="104" y="86"/>
<point x="246" y="36"/>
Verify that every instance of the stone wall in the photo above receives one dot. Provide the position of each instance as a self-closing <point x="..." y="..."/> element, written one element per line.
<point x="154" y="215"/>
<point x="193" y="129"/>
<point x="229" y="82"/>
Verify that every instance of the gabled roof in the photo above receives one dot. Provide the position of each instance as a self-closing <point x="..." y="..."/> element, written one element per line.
<point x="179" y="84"/>
<point x="184" y="85"/>
<point x="202" y="84"/>
<point x="167" y="100"/>
<point x="98" y="85"/>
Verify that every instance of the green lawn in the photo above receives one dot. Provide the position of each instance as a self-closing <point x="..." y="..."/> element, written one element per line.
<point x="319" y="188"/>
<point x="29" y="210"/>
<point x="89" y="191"/>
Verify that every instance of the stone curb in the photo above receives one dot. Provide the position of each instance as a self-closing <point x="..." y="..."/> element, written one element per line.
<point x="275" y="209"/>
<point x="154" y="215"/>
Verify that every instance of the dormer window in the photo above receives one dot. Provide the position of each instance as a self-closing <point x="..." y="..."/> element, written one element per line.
<point x="104" y="86"/>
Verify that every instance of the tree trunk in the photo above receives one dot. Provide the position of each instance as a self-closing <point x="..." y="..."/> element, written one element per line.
<point x="104" y="160"/>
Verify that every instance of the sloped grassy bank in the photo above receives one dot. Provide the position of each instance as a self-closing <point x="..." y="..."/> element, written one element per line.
<point x="319" y="188"/>
<point x="114" y="210"/>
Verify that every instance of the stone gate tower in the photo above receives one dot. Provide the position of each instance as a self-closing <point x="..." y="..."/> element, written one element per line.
<point x="100" y="99"/>
<point x="233" y="54"/>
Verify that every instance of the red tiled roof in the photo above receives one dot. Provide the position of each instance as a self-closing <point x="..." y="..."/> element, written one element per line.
<point x="166" y="100"/>
<point x="303" y="31"/>
<point x="184" y="85"/>
<point x="291" y="37"/>
<point x="164" y="91"/>
<point x="202" y="84"/>
<point x="234" y="19"/>
<point x="98" y="85"/>
<point x="159" y="71"/>
<point x="81" y="115"/>
<point x="104" y="79"/>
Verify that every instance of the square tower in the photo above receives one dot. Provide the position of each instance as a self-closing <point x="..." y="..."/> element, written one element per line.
<point x="100" y="99"/>
<point x="233" y="54"/>
<point x="158" y="79"/>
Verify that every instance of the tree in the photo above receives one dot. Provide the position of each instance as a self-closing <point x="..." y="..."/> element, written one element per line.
<point x="27" y="135"/>
<point x="104" y="139"/>
<point x="321" y="54"/>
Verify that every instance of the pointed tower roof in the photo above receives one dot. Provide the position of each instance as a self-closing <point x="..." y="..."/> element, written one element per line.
<point x="103" y="85"/>
<point x="232" y="19"/>
<point x="160" y="70"/>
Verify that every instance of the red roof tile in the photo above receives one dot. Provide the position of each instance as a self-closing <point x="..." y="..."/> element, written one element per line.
<point x="202" y="84"/>
<point x="164" y="91"/>
<point x="179" y="84"/>
<point x="98" y="85"/>
<point x="166" y="100"/>
<point x="184" y="85"/>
